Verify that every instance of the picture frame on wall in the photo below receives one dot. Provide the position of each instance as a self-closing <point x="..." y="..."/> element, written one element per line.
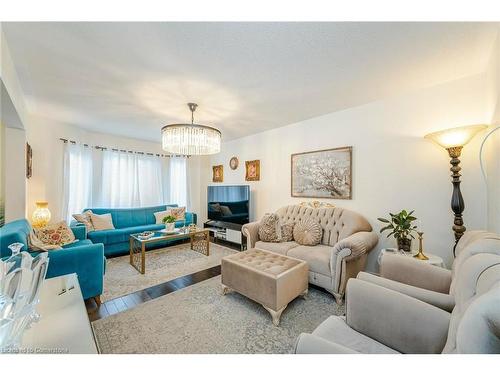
<point x="322" y="174"/>
<point x="252" y="170"/>
<point x="29" y="161"/>
<point x="218" y="173"/>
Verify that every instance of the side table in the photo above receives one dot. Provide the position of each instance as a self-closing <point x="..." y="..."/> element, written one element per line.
<point x="433" y="259"/>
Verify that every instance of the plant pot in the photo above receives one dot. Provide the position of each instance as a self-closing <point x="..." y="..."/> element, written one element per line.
<point x="170" y="227"/>
<point x="404" y="244"/>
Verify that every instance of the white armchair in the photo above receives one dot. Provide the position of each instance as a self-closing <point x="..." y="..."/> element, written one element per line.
<point x="398" y="323"/>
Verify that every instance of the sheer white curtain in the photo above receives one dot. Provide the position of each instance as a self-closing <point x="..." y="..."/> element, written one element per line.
<point x="178" y="180"/>
<point x="77" y="179"/>
<point x="130" y="180"/>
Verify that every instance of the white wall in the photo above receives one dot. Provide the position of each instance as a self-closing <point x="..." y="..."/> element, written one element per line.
<point x="393" y="166"/>
<point x="15" y="174"/>
<point x="491" y="148"/>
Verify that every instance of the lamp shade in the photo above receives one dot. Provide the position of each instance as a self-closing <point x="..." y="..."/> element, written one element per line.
<point x="41" y="215"/>
<point x="191" y="139"/>
<point x="455" y="137"/>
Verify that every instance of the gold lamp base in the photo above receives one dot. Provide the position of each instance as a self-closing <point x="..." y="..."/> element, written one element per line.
<point x="420" y="255"/>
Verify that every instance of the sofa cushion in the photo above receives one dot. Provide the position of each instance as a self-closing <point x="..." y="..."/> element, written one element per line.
<point x="335" y="329"/>
<point x="276" y="247"/>
<point x="318" y="257"/>
<point x="307" y="232"/>
<point x="102" y="222"/>
<point x="269" y="229"/>
<point x="112" y="236"/>
<point x="55" y="234"/>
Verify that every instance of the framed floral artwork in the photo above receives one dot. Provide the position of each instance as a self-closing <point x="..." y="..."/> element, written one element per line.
<point x="322" y="174"/>
<point x="218" y="173"/>
<point x="252" y="170"/>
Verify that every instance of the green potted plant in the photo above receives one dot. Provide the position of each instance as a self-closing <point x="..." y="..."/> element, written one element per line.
<point x="401" y="227"/>
<point x="169" y="223"/>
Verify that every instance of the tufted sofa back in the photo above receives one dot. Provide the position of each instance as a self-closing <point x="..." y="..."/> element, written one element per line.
<point x="337" y="223"/>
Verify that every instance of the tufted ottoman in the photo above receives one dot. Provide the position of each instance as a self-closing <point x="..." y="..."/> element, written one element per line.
<point x="271" y="279"/>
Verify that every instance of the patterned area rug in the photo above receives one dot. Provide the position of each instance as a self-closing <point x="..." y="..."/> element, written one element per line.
<point x="161" y="265"/>
<point x="199" y="319"/>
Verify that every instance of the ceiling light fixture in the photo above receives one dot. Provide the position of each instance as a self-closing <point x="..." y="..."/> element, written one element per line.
<point x="191" y="139"/>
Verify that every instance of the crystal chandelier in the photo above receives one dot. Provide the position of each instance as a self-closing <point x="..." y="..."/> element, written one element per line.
<point x="191" y="139"/>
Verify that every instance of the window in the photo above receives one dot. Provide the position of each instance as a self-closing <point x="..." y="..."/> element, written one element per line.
<point x="77" y="176"/>
<point x="131" y="180"/>
<point x="178" y="181"/>
<point x="95" y="178"/>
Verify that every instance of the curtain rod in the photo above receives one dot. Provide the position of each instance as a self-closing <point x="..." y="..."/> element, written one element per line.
<point x="102" y="148"/>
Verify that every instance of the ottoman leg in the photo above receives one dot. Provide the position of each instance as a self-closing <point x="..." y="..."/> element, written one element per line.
<point x="276" y="315"/>
<point x="225" y="289"/>
<point x="304" y="293"/>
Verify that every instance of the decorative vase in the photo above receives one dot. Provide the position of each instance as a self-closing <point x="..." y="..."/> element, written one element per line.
<point x="170" y="227"/>
<point x="404" y="244"/>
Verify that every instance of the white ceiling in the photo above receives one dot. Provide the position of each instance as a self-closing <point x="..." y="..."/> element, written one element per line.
<point x="131" y="79"/>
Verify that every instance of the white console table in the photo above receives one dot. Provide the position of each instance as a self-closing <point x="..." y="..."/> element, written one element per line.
<point x="64" y="325"/>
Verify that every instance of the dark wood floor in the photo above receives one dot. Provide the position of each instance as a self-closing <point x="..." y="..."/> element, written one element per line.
<point x="131" y="300"/>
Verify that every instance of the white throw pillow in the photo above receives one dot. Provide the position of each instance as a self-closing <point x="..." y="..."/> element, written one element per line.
<point x="102" y="222"/>
<point x="160" y="215"/>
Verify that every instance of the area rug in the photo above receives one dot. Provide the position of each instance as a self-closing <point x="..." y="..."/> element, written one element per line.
<point x="161" y="265"/>
<point x="199" y="319"/>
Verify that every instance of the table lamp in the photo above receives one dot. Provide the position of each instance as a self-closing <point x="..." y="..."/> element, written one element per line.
<point x="41" y="215"/>
<point x="453" y="140"/>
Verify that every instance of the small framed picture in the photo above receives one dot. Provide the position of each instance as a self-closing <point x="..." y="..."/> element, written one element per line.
<point x="252" y="170"/>
<point x="233" y="163"/>
<point x="218" y="173"/>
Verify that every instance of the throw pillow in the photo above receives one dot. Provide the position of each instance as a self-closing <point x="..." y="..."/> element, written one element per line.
<point x="226" y="211"/>
<point x="178" y="212"/>
<point x="84" y="218"/>
<point x="287" y="232"/>
<point x="55" y="234"/>
<point x="35" y="244"/>
<point x="270" y="228"/>
<point x="307" y="232"/>
<point x="102" y="222"/>
<point x="160" y="215"/>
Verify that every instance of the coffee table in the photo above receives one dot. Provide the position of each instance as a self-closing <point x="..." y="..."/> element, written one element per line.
<point x="200" y="242"/>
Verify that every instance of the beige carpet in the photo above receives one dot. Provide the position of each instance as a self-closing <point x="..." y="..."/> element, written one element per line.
<point x="161" y="265"/>
<point x="198" y="319"/>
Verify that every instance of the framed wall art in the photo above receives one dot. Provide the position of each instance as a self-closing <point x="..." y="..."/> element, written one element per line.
<point x="218" y="173"/>
<point x="252" y="170"/>
<point x="322" y="174"/>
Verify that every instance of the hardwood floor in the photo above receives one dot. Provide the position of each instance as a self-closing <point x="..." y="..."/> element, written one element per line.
<point x="129" y="301"/>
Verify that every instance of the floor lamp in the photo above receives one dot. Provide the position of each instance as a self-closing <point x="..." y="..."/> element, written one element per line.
<point x="453" y="140"/>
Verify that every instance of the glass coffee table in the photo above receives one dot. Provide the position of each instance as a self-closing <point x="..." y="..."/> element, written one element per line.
<point x="200" y="242"/>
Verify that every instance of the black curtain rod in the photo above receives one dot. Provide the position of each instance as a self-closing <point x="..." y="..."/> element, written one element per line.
<point x="127" y="151"/>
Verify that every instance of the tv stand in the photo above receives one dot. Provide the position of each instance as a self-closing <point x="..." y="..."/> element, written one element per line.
<point x="228" y="232"/>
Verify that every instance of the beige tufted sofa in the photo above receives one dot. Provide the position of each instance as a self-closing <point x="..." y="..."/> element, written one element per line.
<point x="346" y="241"/>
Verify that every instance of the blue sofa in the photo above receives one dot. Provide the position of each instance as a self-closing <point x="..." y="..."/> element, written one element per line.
<point x="82" y="257"/>
<point x="128" y="221"/>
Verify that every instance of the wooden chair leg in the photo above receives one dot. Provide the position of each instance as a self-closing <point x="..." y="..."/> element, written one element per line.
<point x="97" y="300"/>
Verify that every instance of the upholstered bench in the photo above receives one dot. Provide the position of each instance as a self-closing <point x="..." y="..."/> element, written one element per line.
<point x="271" y="279"/>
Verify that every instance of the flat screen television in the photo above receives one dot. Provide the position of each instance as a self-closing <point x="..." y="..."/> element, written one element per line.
<point x="229" y="203"/>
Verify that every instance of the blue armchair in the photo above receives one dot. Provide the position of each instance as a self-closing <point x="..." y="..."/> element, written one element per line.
<point x="82" y="257"/>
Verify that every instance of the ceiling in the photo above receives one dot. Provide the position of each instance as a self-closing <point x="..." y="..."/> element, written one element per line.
<point x="130" y="79"/>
